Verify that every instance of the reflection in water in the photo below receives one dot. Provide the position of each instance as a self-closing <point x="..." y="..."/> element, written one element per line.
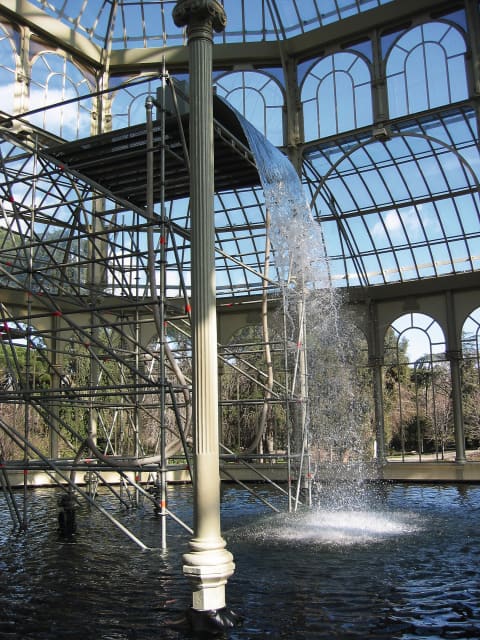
<point x="406" y="567"/>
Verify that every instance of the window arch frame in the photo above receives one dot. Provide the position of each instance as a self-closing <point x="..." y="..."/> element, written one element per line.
<point x="82" y="113"/>
<point x="6" y="35"/>
<point x="127" y="118"/>
<point x="449" y="78"/>
<point x="358" y="119"/>
<point x="275" y="133"/>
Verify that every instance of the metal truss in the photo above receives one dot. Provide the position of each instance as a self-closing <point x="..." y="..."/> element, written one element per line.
<point x="94" y="344"/>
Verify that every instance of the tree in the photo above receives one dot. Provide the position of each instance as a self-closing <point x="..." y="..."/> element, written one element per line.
<point x="243" y="382"/>
<point x="398" y="402"/>
<point x="471" y="394"/>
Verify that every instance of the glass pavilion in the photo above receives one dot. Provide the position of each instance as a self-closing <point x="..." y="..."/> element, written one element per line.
<point x="374" y="102"/>
<point x="376" y="105"/>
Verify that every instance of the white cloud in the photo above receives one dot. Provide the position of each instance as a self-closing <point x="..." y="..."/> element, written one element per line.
<point x="68" y="120"/>
<point x="7" y="92"/>
<point x="396" y="224"/>
<point x="392" y="222"/>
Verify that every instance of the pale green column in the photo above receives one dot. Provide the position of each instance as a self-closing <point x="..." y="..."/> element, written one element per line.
<point x="376" y="362"/>
<point x="454" y="355"/>
<point x="208" y="564"/>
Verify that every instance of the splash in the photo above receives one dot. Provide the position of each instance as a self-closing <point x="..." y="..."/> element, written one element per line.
<point x="340" y="528"/>
<point x="349" y="527"/>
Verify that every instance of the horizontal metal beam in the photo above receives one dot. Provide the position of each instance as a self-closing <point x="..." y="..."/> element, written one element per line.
<point x="225" y="55"/>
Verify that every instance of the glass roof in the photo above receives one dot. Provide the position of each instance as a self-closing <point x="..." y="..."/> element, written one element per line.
<point x="402" y="208"/>
<point x="124" y="24"/>
<point x="380" y="123"/>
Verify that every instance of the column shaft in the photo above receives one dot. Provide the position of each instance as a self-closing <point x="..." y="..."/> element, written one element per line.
<point x="208" y="564"/>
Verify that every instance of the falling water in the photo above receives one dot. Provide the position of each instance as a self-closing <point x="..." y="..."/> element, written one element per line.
<point x="338" y="404"/>
<point x="296" y="237"/>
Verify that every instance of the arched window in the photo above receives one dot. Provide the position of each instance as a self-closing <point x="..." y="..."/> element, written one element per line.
<point x="471" y="378"/>
<point x="7" y="71"/>
<point x="336" y="96"/>
<point x="426" y="69"/>
<point x="422" y="337"/>
<point x="418" y="414"/>
<point x="128" y="104"/>
<point x="56" y="80"/>
<point x="258" y="97"/>
<point x="471" y="335"/>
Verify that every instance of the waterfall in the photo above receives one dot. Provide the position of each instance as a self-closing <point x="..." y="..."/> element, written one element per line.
<point x="339" y="401"/>
<point x="295" y="236"/>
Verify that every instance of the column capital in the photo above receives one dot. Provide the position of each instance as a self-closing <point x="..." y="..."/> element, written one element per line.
<point x="188" y="11"/>
<point x="454" y="355"/>
<point x="376" y="361"/>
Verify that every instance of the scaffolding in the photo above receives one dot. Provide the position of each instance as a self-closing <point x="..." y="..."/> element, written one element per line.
<point x="95" y="311"/>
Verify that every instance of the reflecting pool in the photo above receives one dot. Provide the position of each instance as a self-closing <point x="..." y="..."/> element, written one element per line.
<point x="405" y="566"/>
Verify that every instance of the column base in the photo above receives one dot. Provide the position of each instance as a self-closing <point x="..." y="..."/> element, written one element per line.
<point x="213" y="622"/>
<point x="208" y="566"/>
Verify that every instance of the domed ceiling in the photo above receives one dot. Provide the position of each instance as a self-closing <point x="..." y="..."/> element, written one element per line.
<point x="148" y="23"/>
<point x="373" y="100"/>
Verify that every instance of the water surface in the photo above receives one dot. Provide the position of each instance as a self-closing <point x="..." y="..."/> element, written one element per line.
<point x="406" y="566"/>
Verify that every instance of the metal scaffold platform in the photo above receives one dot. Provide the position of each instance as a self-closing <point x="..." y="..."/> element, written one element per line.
<point x="95" y="308"/>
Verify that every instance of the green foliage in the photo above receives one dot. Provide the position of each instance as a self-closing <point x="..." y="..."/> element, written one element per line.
<point x="471" y="398"/>
<point x="243" y="388"/>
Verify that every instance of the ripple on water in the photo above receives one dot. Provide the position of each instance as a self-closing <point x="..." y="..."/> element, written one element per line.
<point x="405" y="570"/>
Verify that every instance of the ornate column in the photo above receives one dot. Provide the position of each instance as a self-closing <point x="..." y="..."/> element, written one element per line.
<point x="454" y="356"/>
<point x="208" y="564"/>
<point x="455" y="359"/>
<point x="376" y="362"/>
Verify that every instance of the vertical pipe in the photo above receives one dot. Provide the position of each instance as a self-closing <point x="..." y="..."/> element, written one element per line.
<point x="301" y="436"/>
<point x="303" y="364"/>
<point x="288" y="399"/>
<point x="162" y="336"/>
<point x="56" y="370"/>
<point x="136" y="409"/>
<point x="207" y="564"/>
<point x="29" y="384"/>
<point x="96" y="284"/>
<point x="158" y="304"/>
